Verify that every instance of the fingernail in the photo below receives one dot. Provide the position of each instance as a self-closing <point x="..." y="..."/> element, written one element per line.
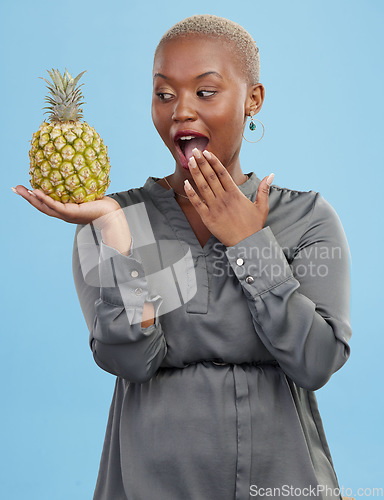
<point x="32" y="193"/>
<point x="270" y="179"/>
<point x="187" y="184"/>
<point x="196" y="153"/>
<point x="192" y="162"/>
<point x="207" y="155"/>
<point x="14" y="190"/>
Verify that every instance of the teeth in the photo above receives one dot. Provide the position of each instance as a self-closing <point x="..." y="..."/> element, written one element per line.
<point x="187" y="137"/>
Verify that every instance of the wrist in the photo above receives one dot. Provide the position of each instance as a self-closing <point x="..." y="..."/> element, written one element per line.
<point x="108" y="219"/>
<point x="235" y="239"/>
<point x="115" y="232"/>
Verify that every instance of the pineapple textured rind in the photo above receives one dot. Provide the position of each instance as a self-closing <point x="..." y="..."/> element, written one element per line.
<point x="69" y="162"/>
<point x="68" y="159"/>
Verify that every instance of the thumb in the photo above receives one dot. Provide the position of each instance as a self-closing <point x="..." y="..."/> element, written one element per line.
<point x="262" y="197"/>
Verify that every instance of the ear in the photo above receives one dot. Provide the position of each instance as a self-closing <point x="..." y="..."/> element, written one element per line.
<point x="255" y="99"/>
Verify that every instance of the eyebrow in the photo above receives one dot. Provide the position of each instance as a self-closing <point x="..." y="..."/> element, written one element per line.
<point x="160" y="75"/>
<point x="209" y="73"/>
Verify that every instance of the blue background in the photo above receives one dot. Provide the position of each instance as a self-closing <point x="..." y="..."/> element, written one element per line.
<point x="321" y="65"/>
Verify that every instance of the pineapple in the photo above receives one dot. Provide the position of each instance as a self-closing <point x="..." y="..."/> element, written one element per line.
<point x="68" y="160"/>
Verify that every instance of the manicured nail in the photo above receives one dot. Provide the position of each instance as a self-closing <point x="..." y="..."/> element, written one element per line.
<point x="192" y="162"/>
<point x="187" y="184"/>
<point x="196" y="153"/>
<point x="32" y="193"/>
<point x="14" y="190"/>
<point x="270" y="179"/>
<point x="207" y="155"/>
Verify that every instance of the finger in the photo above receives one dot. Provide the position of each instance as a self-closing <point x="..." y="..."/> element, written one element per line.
<point x="194" y="198"/>
<point x="33" y="199"/>
<point x="68" y="212"/>
<point x="205" y="178"/>
<point x="48" y="204"/>
<point x="262" y="196"/>
<point x="225" y="178"/>
<point x="203" y="187"/>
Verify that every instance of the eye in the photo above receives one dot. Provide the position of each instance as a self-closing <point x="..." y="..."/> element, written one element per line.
<point x="206" y="93"/>
<point x="164" y="96"/>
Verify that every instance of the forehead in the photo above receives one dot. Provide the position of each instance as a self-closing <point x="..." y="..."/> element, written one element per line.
<point x="189" y="56"/>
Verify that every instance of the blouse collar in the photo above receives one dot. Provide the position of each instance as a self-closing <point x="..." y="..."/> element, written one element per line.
<point x="248" y="188"/>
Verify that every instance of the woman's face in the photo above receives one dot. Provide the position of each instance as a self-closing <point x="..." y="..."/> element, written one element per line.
<point x="200" y="98"/>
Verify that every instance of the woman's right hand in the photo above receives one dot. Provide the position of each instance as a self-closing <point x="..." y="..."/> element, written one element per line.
<point x="105" y="214"/>
<point x="100" y="212"/>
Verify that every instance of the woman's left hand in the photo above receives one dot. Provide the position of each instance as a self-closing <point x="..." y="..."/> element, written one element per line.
<point x="227" y="212"/>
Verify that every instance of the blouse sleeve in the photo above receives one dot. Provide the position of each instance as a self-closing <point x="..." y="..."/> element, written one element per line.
<point x="112" y="289"/>
<point x="300" y="309"/>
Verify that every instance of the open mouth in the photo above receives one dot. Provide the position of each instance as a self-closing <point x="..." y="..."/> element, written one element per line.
<point x="186" y="143"/>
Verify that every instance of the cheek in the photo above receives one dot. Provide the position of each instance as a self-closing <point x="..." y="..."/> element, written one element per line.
<point x="229" y="122"/>
<point x="157" y="118"/>
<point x="230" y="113"/>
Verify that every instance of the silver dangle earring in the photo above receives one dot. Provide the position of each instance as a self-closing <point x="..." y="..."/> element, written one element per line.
<point x="252" y="126"/>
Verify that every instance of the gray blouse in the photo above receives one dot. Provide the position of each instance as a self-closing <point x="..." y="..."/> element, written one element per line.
<point x="216" y="400"/>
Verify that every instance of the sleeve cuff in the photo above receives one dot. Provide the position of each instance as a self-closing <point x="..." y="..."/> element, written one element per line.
<point x="259" y="262"/>
<point x="122" y="278"/>
<point x="107" y="252"/>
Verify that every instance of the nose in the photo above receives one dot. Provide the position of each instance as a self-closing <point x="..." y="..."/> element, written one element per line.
<point x="184" y="110"/>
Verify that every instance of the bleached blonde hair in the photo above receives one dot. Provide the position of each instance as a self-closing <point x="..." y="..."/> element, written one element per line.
<point x="220" y="27"/>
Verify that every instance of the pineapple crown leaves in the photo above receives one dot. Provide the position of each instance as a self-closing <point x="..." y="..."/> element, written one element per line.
<point x="64" y="99"/>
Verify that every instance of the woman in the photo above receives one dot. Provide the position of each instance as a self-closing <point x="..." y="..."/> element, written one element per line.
<point x="220" y="302"/>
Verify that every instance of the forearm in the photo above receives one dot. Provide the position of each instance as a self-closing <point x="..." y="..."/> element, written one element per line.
<point x="308" y="346"/>
<point x="126" y="350"/>
<point x="116" y="234"/>
<point x="302" y="318"/>
<point x="125" y="332"/>
<point x="148" y="317"/>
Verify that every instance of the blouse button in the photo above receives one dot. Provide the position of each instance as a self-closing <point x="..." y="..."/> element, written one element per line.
<point x="240" y="262"/>
<point x="138" y="291"/>
<point x="249" y="280"/>
<point x="134" y="274"/>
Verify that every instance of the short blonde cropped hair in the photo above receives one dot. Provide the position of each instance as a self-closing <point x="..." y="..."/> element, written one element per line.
<point x="220" y="27"/>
